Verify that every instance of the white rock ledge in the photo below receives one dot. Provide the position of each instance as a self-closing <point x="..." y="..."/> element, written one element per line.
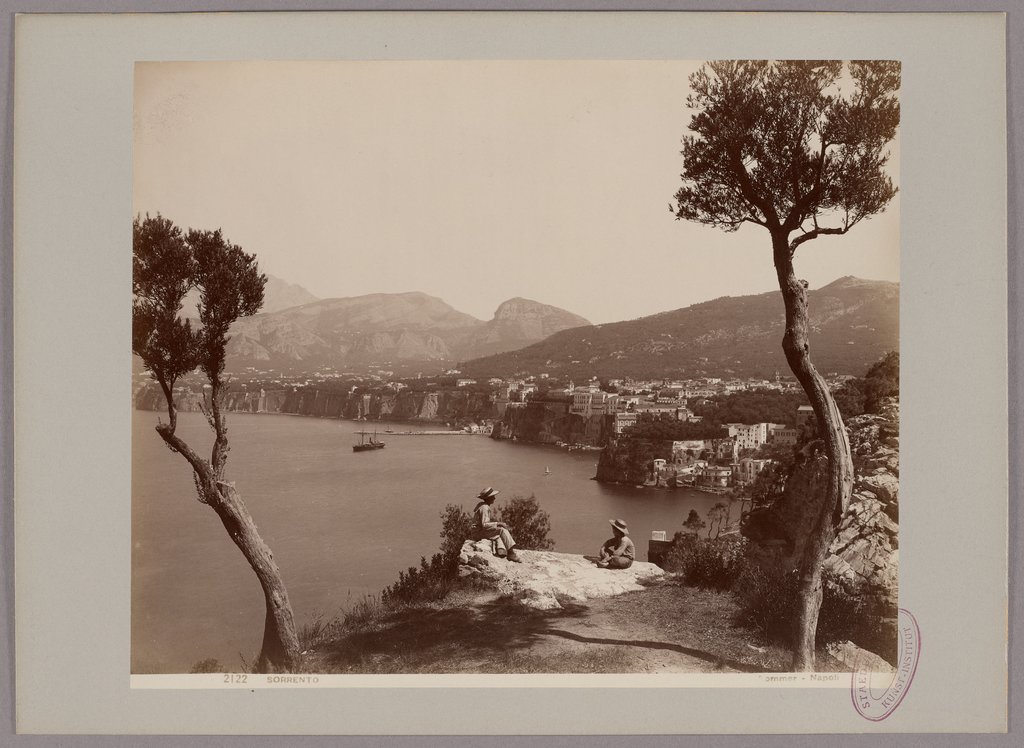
<point x="545" y="579"/>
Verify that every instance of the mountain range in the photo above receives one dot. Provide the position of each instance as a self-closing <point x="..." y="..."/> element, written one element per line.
<point x="854" y="322"/>
<point x="401" y="327"/>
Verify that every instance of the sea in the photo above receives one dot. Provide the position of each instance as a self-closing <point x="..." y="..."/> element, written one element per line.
<point x="341" y="524"/>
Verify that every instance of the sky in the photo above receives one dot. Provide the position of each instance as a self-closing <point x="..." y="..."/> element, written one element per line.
<point x="472" y="181"/>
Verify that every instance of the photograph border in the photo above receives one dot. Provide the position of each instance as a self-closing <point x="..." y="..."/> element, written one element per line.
<point x="604" y="703"/>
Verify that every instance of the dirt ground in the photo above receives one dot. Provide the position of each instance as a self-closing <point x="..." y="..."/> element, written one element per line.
<point x="665" y="628"/>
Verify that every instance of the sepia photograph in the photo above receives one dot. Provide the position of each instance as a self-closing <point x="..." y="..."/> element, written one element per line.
<point x="515" y="367"/>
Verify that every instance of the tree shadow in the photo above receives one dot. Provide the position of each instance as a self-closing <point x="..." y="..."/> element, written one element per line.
<point x="690" y="651"/>
<point x="444" y="640"/>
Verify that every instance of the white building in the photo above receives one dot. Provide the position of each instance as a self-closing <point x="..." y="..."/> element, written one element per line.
<point x="748" y="468"/>
<point x="624" y="421"/>
<point x="749" y="436"/>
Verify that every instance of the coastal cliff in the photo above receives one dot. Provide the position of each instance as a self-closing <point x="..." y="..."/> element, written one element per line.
<point x="444" y="405"/>
<point x="550" y="422"/>
<point x="628" y="461"/>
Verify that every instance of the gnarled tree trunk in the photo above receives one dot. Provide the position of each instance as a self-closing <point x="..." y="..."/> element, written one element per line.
<point x="796" y="346"/>
<point x="280" y="648"/>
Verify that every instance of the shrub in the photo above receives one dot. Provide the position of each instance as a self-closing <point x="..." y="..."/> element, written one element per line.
<point x="431" y="581"/>
<point x="456" y="526"/>
<point x="434" y="579"/>
<point x="708" y="563"/>
<point x="768" y="602"/>
<point x="882" y="381"/>
<point x="528" y="523"/>
<point x="365" y="610"/>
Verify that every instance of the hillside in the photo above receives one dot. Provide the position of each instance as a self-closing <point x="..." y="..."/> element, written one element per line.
<point x="518" y="323"/>
<point x="853" y="323"/>
<point x="386" y="328"/>
<point x="279" y="294"/>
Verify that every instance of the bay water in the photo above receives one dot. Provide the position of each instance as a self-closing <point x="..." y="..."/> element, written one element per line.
<point x="341" y="524"/>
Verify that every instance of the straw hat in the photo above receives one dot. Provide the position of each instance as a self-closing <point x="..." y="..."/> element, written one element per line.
<point x="487" y="493"/>
<point x="619" y="525"/>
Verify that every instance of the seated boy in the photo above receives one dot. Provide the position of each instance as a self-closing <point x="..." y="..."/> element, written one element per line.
<point x="617" y="552"/>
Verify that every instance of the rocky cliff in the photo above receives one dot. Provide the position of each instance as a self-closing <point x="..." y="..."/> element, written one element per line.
<point x="451" y="406"/>
<point x="864" y="557"/>
<point x="628" y="461"/>
<point x="549" y="422"/>
<point x="518" y="323"/>
<point x="546" y="580"/>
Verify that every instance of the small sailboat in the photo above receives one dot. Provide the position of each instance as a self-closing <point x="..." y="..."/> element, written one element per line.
<point x="547" y="472"/>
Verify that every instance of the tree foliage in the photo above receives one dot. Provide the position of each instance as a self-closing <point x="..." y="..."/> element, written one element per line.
<point x="771" y="481"/>
<point x="527" y="522"/>
<point x="166" y="264"/>
<point x="693" y="522"/>
<point x="666" y="427"/>
<point x="162" y="273"/>
<point x="230" y="286"/>
<point x="864" y="395"/>
<point x="779" y="144"/>
<point x="882" y="381"/>
<point x="751" y="406"/>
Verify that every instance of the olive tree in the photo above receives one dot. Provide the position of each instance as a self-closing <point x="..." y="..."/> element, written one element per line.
<point x="166" y="265"/>
<point x="798" y="148"/>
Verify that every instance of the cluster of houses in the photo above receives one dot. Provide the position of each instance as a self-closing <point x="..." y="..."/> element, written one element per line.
<point x="716" y="463"/>
<point x="704" y="474"/>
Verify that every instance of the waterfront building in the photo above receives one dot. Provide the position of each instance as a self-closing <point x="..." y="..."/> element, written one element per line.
<point x="623" y="421"/>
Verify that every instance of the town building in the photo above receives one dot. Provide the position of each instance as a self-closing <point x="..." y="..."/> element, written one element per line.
<point x="747" y="469"/>
<point x="623" y="421"/>
<point x="714" y="476"/>
<point x="783" y="435"/>
<point x="726" y="449"/>
<point x="749" y="436"/>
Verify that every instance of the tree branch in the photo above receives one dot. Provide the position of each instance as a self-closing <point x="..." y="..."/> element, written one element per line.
<point x="749" y="193"/>
<point x="199" y="466"/>
<point x="814" y="234"/>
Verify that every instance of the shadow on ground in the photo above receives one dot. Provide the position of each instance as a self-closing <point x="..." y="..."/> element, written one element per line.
<point x="716" y="660"/>
<point x="499" y="636"/>
<point x="445" y="640"/>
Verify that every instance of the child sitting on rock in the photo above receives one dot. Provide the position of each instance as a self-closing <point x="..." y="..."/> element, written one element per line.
<point x="617" y="552"/>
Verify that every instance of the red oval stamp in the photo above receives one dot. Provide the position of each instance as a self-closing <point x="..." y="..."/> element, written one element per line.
<point x="874" y="702"/>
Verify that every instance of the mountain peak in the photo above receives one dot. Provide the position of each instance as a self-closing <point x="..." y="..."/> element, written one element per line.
<point x="853" y="323"/>
<point x="518" y="308"/>
<point x="279" y="294"/>
<point x="852" y="281"/>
